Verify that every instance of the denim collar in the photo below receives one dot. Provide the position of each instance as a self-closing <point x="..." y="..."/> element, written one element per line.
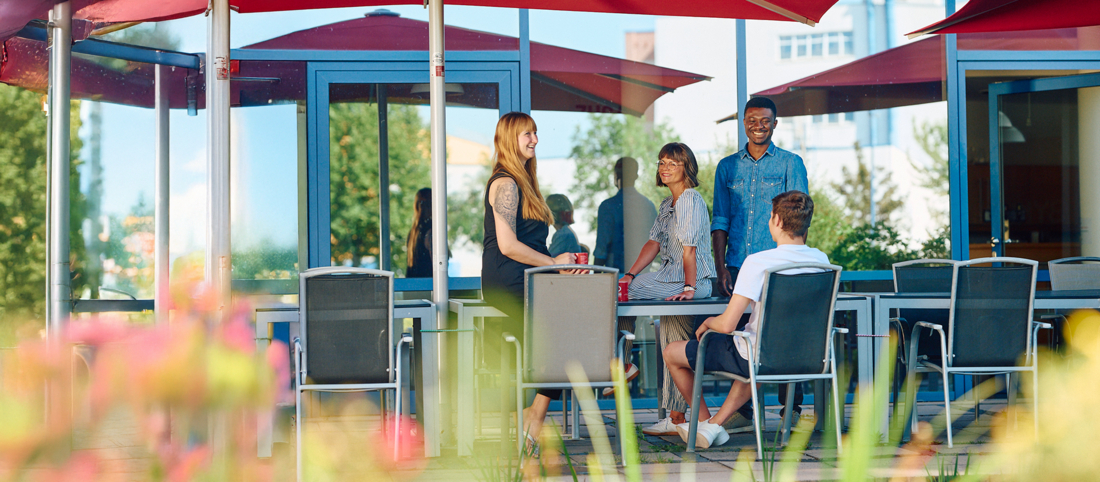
<point x="745" y="152"/>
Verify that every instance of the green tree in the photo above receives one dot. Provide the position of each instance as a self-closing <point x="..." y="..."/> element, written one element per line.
<point x="854" y="189"/>
<point x="23" y="209"/>
<point x="871" y="247"/>
<point x="129" y="250"/>
<point x="829" y="225"/>
<point x="609" y="137"/>
<point x="354" y="179"/>
<point x="466" y="212"/>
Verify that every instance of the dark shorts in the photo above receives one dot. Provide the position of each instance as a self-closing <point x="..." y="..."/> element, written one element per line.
<point x="721" y="355"/>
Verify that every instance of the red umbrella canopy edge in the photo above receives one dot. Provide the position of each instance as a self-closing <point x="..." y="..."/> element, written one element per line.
<point x="1013" y="15"/>
<point x="14" y="14"/>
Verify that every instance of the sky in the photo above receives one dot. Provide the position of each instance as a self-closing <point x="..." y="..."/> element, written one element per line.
<point x="263" y="150"/>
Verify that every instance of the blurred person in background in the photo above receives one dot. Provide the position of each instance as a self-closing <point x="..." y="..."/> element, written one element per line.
<point x="564" y="239"/>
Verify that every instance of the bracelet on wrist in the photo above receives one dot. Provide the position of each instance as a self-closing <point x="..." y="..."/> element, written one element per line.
<point x="689" y="288"/>
<point x="632" y="275"/>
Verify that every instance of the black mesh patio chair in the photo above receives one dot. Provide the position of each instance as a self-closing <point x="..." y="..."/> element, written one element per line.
<point x="989" y="328"/>
<point x="347" y="341"/>
<point x="794" y="343"/>
<point x="568" y="319"/>
<point x="918" y="276"/>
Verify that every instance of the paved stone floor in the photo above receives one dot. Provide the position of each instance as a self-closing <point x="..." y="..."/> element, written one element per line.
<point x="664" y="458"/>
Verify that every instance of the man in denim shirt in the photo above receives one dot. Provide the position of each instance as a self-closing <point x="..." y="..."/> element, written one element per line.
<point x="744" y="186"/>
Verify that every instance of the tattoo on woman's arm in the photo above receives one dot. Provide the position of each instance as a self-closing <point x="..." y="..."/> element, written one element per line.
<point x="506" y="203"/>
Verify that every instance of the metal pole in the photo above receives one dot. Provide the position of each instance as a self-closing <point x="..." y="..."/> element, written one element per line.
<point x="742" y="80"/>
<point x="438" y="100"/>
<point x="385" y="254"/>
<point x="49" y="162"/>
<point x="218" y="262"/>
<point x="524" y="61"/>
<point x="871" y="49"/>
<point x="61" y="57"/>
<point x="160" y="262"/>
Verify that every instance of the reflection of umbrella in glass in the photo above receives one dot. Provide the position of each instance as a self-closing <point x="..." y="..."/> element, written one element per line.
<point x="910" y="74"/>
<point x="561" y="79"/>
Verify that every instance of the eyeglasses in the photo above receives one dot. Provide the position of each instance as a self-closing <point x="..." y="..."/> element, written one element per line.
<point x="669" y="165"/>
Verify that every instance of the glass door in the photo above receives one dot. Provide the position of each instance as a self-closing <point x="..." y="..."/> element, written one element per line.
<point x="1043" y="161"/>
<point x="369" y="159"/>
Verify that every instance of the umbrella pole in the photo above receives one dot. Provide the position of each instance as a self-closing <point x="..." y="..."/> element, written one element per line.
<point x="218" y="263"/>
<point x="438" y="101"/>
<point x="160" y="261"/>
<point x="61" y="59"/>
<point x="742" y="80"/>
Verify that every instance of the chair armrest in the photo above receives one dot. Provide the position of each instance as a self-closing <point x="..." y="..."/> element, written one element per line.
<point x="930" y="326"/>
<point x="509" y="338"/>
<point x="406" y="337"/>
<point x="1042" y="325"/>
<point x="627" y="335"/>
<point x="840" y="330"/>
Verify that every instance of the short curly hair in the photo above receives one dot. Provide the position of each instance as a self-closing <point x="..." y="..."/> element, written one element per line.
<point x="796" y="210"/>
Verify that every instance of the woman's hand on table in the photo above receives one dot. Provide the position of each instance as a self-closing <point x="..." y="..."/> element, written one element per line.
<point x="683" y="296"/>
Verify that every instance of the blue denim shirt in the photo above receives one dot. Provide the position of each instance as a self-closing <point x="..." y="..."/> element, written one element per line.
<point x="743" y="192"/>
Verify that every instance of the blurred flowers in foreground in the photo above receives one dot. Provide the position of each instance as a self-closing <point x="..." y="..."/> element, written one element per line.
<point x="1065" y="448"/>
<point x="182" y="398"/>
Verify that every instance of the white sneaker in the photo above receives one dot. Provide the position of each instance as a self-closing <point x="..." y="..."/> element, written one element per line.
<point x="663" y="427"/>
<point x="631" y="374"/>
<point x="709" y="434"/>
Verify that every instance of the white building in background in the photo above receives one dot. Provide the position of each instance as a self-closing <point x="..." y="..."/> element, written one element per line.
<point x="781" y="52"/>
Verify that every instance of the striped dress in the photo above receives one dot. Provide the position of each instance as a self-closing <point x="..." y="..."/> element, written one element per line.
<point x="683" y="223"/>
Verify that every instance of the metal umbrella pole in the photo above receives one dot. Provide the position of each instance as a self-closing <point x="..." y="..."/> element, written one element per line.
<point x="218" y="262"/>
<point x="438" y="101"/>
<point x="160" y="262"/>
<point x="61" y="61"/>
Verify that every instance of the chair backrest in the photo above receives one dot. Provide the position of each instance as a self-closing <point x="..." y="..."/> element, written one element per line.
<point x="1077" y="273"/>
<point x="569" y="318"/>
<point x="346" y="325"/>
<point x="796" y="317"/>
<point x="924" y="276"/>
<point x="991" y="310"/>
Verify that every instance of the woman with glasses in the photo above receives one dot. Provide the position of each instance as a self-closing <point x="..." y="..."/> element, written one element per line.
<point x="681" y="237"/>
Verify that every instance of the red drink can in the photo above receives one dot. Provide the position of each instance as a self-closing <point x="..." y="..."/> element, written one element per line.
<point x="624" y="289"/>
<point x="582" y="258"/>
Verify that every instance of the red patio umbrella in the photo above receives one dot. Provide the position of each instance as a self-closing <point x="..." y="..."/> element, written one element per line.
<point x="1013" y="15"/>
<point x="14" y="14"/>
<point x="561" y="79"/>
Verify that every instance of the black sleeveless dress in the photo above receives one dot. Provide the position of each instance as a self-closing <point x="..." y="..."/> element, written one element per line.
<point x="502" y="278"/>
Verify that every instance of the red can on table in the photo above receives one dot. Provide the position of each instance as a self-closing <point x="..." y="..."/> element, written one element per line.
<point x="582" y="258"/>
<point x="624" y="289"/>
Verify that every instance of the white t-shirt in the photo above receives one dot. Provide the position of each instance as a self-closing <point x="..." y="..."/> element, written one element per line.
<point x="750" y="280"/>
